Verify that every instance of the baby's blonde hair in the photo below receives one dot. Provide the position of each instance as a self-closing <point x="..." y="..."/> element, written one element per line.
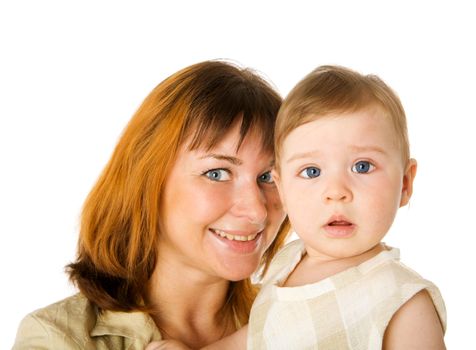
<point x="334" y="89"/>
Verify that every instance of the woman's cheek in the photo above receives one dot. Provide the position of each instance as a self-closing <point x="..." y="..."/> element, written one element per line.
<point x="274" y="204"/>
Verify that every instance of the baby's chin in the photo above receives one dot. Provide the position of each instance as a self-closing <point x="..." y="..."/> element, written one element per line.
<point x="344" y="250"/>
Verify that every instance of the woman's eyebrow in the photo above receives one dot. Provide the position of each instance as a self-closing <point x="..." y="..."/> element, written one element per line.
<point x="230" y="159"/>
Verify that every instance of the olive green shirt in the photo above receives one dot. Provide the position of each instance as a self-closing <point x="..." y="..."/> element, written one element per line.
<point x="74" y="323"/>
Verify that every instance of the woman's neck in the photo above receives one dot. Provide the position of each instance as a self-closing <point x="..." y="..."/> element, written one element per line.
<point x="188" y="304"/>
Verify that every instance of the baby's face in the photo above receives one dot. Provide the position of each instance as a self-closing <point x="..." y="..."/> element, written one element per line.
<point x="342" y="180"/>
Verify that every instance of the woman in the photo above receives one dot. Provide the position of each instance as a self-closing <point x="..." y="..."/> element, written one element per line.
<point x="184" y="212"/>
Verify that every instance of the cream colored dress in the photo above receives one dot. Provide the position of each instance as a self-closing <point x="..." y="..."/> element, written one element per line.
<point x="349" y="310"/>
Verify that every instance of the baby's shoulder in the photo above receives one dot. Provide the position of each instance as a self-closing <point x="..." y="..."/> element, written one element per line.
<point x="290" y="250"/>
<point x="397" y="283"/>
<point x="400" y="273"/>
<point x="285" y="260"/>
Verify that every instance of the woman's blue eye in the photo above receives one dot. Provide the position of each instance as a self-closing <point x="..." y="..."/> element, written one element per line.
<point x="218" y="175"/>
<point x="310" y="172"/>
<point x="266" y="178"/>
<point x="363" y="167"/>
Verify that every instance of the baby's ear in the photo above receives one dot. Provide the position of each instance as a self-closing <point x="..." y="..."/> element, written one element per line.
<point x="408" y="178"/>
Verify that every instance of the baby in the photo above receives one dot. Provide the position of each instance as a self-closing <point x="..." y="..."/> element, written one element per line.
<point x="343" y="169"/>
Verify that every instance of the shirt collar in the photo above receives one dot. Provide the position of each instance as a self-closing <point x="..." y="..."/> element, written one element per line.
<point x="133" y="325"/>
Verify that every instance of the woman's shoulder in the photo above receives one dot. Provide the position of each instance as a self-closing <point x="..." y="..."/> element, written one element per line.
<point x="75" y="323"/>
<point x="70" y="312"/>
<point x="65" y="323"/>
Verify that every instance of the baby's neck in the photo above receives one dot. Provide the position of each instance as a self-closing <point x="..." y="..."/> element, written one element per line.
<point x="312" y="269"/>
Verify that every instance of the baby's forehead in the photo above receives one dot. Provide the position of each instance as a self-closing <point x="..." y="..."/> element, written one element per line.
<point x="377" y="116"/>
<point x="373" y="109"/>
<point x="353" y="131"/>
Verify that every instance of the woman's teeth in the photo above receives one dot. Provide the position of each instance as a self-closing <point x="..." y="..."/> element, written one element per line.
<point x="235" y="237"/>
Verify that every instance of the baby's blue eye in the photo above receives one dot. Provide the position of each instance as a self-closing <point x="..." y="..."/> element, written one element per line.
<point x="363" y="167"/>
<point x="217" y="175"/>
<point x="266" y="178"/>
<point x="310" y="172"/>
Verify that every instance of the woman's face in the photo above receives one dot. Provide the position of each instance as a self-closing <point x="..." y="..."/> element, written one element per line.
<point x="220" y="208"/>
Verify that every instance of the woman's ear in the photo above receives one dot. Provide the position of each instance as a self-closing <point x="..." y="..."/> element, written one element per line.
<point x="277" y="181"/>
<point x="408" y="178"/>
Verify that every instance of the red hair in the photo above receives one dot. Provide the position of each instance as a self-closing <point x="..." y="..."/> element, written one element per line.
<point x="119" y="232"/>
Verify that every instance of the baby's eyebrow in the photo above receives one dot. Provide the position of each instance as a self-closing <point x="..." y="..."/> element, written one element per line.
<point x="369" y="148"/>
<point x="354" y="148"/>
<point x="309" y="154"/>
<point x="230" y="159"/>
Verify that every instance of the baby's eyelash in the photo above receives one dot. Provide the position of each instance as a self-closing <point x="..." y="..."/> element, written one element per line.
<point x="310" y="172"/>
<point x="363" y="167"/>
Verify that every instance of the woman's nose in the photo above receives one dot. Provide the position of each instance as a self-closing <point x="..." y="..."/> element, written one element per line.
<point x="251" y="204"/>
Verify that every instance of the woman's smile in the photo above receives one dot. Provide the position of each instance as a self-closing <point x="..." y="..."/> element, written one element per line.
<point x="241" y="236"/>
<point x="239" y="243"/>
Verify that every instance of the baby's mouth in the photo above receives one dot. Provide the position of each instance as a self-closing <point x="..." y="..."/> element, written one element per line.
<point x="339" y="227"/>
<point x="339" y="223"/>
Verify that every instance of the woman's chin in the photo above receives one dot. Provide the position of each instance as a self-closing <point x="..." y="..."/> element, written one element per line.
<point x="233" y="269"/>
<point x="235" y="277"/>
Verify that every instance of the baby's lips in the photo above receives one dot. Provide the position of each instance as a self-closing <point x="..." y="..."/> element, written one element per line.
<point x="340" y="223"/>
<point x="338" y="220"/>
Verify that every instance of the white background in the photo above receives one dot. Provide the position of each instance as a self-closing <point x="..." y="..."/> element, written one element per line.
<point x="73" y="73"/>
